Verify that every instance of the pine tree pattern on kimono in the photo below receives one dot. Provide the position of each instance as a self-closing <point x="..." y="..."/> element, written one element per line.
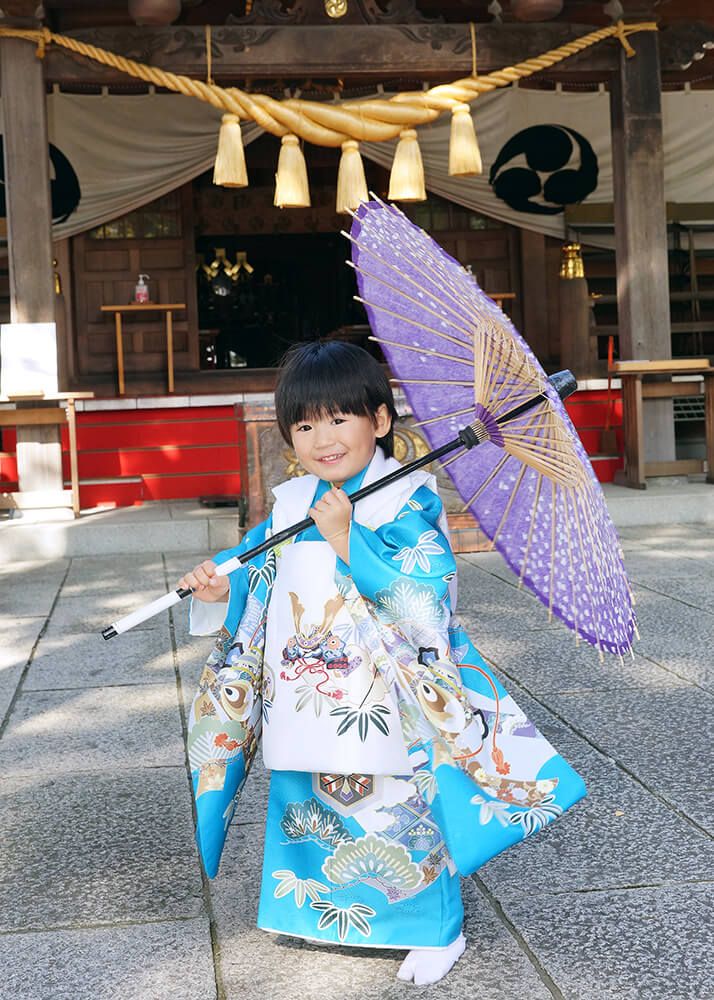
<point x="488" y="776"/>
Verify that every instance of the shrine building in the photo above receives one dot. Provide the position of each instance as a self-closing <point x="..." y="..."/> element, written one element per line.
<point x="168" y="299"/>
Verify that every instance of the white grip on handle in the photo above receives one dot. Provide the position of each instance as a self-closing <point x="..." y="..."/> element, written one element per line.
<point x="162" y="603"/>
<point x="148" y="611"/>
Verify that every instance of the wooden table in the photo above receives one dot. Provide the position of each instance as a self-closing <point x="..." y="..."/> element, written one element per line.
<point x="48" y="415"/>
<point x="634" y="390"/>
<point x="136" y="307"/>
<point x="500" y="297"/>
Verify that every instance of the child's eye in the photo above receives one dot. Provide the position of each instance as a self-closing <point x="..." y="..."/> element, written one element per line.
<point x="303" y="427"/>
<point x="338" y="420"/>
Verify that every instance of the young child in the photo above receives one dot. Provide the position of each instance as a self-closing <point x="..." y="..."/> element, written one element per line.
<point x="398" y="761"/>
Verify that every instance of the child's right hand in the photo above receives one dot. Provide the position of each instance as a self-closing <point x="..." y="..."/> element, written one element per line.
<point x="204" y="583"/>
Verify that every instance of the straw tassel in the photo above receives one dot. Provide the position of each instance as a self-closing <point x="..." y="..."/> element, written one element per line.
<point x="351" y="183"/>
<point x="406" y="182"/>
<point x="464" y="154"/>
<point x="291" y="187"/>
<point x="229" y="169"/>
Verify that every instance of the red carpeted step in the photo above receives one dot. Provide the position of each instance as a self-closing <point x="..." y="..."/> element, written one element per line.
<point x="100" y="437"/>
<point x="112" y="493"/>
<point x="188" y="487"/>
<point x="585" y="413"/>
<point x="8" y="468"/>
<point x="605" y="466"/>
<point x="156" y="461"/>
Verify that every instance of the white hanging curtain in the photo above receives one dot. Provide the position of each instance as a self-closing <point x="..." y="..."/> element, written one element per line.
<point x="127" y="151"/>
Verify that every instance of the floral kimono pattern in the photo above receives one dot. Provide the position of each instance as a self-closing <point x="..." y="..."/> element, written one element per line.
<point x="366" y="855"/>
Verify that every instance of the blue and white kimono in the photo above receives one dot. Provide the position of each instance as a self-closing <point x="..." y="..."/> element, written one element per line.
<point x="398" y="760"/>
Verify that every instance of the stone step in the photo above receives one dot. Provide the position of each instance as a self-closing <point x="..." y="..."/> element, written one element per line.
<point x="186" y="526"/>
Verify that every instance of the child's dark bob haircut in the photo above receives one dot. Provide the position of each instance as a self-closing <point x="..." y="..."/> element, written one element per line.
<point x="329" y="377"/>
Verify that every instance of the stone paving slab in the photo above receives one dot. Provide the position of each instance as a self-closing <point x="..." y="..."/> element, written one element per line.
<point x="161" y="960"/>
<point x="619" y="835"/>
<point x="688" y="539"/>
<point x="97" y="729"/>
<point x="662" y="736"/>
<point x="17" y="639"/>
<point x="550" y="661"/>
<point x="77" y="614"/>
<point x="76" y="660"/>
<point x="97" y="574"/>
<point x="284" y="968"/>
<point x="648" y="944"/>
<point x="676" y="635"/>
<point x="28" y="602"/>
<point x="695" y="802"/>
<point x="96" y="848"/>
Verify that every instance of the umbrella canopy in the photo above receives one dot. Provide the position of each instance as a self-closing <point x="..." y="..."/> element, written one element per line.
<point x="530" y="484"/>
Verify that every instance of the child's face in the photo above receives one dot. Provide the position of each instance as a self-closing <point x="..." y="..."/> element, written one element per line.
<point x="337" y="447"/>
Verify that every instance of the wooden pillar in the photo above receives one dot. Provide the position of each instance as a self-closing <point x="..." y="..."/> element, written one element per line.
<point x="534" y="292"/>
<point x="29" y="224"/>
<point x="641" y="228"/>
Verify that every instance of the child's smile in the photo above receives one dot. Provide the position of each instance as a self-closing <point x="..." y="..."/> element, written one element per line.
<point x="337" y="447"/>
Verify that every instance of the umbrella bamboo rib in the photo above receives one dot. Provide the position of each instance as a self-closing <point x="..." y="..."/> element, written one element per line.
<point x="430" y="381"/>
<point x="390" y="312"/>
<point x="512" y="497"/>
<point x="596" y="625"/>
<point x="454" y="458"/>
<point x="551" y="580"/>
<point x="423" y="350"/>
<point x="495" y="471"/>
<point x="542" y="453"/>
<point x="465" y="344"/>
<point x="443" y="416"/>
<point x="595" y="548"/>
<point x="531" y="527"/>
<point x="459" y="307"/>
<point x="573" y="604"/>
<point x="405" y="277"/>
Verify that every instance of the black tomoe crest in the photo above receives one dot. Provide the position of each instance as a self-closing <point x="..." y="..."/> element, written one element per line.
<point x="64" y="186"/>
<point x="560" y="169"/>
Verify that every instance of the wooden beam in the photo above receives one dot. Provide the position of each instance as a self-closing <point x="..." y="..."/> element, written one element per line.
<point x="603" y="213"/>
<point x="424" y="50"/>
<point x="376" y="51"/>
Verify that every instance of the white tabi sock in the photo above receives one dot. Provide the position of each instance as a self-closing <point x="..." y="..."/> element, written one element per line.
<point x="424" y="966"/>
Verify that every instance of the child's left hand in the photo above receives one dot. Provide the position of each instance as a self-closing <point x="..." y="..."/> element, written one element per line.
<point x="332" y="514"/>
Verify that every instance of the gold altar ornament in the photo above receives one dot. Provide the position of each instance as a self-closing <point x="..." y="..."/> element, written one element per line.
<point x="571" y="261"/>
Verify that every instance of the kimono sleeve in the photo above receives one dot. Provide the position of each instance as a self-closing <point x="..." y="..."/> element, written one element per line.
<point x="205" y="618"/>
<point x="411" y="545"/>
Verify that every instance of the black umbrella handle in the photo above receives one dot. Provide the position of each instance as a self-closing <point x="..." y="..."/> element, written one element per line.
<point x="564" y="383"/>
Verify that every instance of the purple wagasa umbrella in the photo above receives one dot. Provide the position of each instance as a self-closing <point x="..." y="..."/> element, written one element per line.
<point x="530" y="484"/>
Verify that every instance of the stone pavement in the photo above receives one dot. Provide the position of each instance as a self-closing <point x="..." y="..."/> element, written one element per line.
<point x="101" y="895"/>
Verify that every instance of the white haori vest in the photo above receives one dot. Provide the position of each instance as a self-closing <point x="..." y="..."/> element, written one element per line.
<point x="323" y="677"/>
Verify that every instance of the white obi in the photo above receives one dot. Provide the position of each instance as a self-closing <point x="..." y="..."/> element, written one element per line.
<point x="330" y="708"/>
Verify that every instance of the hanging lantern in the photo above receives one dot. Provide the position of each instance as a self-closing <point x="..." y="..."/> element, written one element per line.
<point x="229" y="169"/>
<point x="536" y="10"/>
<point x="464" y="154"/>
<point x="571" y="261"/>
<point x="291" y="186"/>
<point x="351" y="182"/>
<point x="156" y="13"/>
<point x="406" y="181"/>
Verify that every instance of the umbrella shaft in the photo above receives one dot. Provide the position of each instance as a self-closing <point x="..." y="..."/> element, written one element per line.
<point x="360" y="494"/>
<point x="466" y="439"/>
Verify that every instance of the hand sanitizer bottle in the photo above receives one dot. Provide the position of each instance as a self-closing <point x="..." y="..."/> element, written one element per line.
<point x="141" y="289"/>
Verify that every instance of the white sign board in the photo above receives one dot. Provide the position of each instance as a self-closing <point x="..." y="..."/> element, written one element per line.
<point x="28" y="359"/>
